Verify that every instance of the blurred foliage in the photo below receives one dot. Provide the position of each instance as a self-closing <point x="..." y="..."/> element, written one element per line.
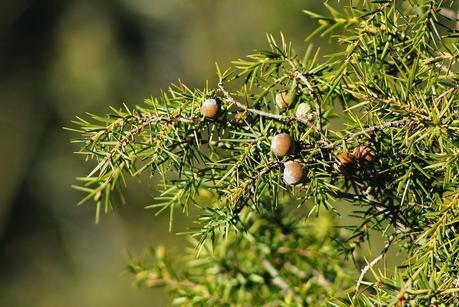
<point x="278" y="249"/>
<point x="60" y="58"/>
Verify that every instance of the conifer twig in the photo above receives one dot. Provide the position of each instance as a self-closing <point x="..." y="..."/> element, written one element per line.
<point x="144" y="122"/>
<point x="298" y="75"/>
<point x="380" y="10"/>
<point x="372" y="263"/>
<point x="377" y="128"/>
<point x="446" y="93"/>
<point x="252" y="181"/>
<point x="368" y="130"/>
<point x="229" y="99"/>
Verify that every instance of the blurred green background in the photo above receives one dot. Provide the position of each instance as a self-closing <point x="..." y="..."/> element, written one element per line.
<point x="61" y="58"/>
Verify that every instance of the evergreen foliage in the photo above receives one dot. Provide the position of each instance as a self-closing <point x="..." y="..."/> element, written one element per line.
<point x="375" y="128"/>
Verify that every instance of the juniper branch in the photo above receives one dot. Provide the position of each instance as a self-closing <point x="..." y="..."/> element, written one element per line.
<point x="395" y="79"/>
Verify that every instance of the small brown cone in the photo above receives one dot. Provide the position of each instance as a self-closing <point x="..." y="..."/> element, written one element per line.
<point x="210" y="108"/>
<point x="293" y="173"/>
<point x="282" y="144"/>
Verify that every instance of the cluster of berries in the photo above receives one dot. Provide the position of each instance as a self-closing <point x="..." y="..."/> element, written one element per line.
<point x="281" y="144"/>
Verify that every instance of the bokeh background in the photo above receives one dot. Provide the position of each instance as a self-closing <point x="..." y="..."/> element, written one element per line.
<point x="61" y="58"/>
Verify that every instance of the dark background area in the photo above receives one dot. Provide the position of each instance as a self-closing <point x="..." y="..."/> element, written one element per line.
<point x="59" y="59"/>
